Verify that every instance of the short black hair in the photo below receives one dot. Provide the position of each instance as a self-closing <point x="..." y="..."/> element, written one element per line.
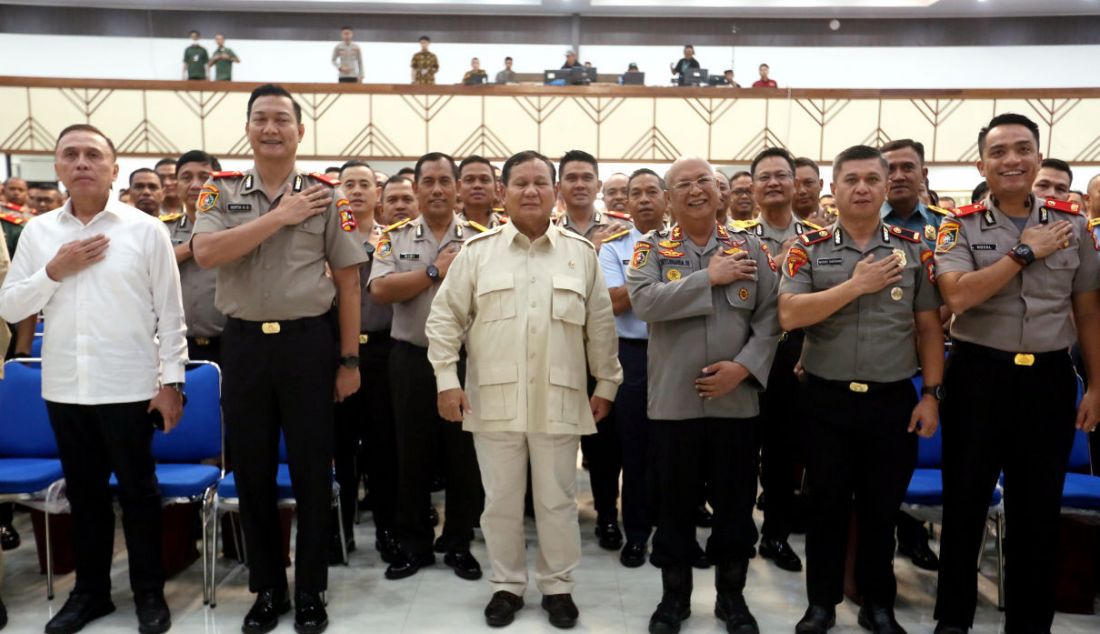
<point x="355" y="163"/>
<point x="857" y="153"/>
<point x="1008" y="118"/>
<point x="142" y="170"/>
<point x="1057" y="164"/>
<point x="431" y="157"/>
<point x="193" y="32"/>
<point x="273" y="90"/>
<point x="805" y="161"/>
<point x="524" y="157"/>
<point x="770" y="152"/>
<point x="1072" y="191"/>
<point x="196" y="156"/>
<point x="424" y="37"/>
<point x="346" y="28"/>
<point x="85" y="127"/>
<point x="645" y="171"/>
<point x="474" y="158"/>
<point x="508" y="59"/>
<point x="946" y="198"/>
<point x="332" y="168"/>
<point x="901" y="144"/>
<point x="393" y="180"/>
<point x="165" y="161"/>
<point x="406" y="171"/>
<point x="979" y="192"/>
<point x="691" y="46"/>
<point x="764" y="65"/>
<point x="739" y="174"/>
<point x="581" y="156"/>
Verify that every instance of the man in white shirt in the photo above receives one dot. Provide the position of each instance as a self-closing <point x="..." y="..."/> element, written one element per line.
<point x="113" y="357"/>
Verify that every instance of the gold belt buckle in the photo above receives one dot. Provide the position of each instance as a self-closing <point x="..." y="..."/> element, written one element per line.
<point x="270" y="327"/>
<point x="1024" y="359"/>
<point x="202" y="341"/>
<point x="858" y="387"/>
<point x="363" y="339"/>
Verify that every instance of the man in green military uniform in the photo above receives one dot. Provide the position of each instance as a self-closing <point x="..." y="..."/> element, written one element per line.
<point x="222" y="60"/>
<point x="424" y="64"/>
<point x="195" y="59"/>
<point x="12" y="221"/>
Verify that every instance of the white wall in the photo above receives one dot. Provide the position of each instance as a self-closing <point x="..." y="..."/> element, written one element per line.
<point x="820" y="67"/>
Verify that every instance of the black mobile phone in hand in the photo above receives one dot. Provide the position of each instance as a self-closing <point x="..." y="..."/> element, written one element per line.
<point x="156" y="419"/>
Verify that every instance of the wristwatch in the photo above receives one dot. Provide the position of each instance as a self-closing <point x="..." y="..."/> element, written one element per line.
<point x="936" y="391"/>
<point x="433" y="272"/>
<point x="1022" y="254"/>
<point x="350" y="362"/>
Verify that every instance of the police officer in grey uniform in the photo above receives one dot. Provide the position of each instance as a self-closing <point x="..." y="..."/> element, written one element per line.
<point x="271" y="231"/>
<point x="863" y="293"/>
<point x="709" y="297"/>
<point x="1019" y="274"/>
<point x="410" y="262"/>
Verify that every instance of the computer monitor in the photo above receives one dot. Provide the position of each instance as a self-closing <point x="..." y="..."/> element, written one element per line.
<point x="556" y="77"/>
<point x="696" y="77"/>
<point x="717" y="80"/>
<point x="575" y="76"/>
<point x="633" y="79"/>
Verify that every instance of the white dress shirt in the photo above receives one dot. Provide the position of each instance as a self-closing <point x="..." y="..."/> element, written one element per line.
<point x="115" y="330"/>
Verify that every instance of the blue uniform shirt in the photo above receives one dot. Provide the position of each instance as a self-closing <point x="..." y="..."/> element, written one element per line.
<point x="920" y="220"/>
<point x="614" y="258"/>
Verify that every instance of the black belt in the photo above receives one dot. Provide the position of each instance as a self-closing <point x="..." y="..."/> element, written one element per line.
<point x="636" y="343"/>
<point x="1023" y="359"/>
<point x="856" y="387"/>
<point x="277" y="327"/>
<point x="204" y="341"/>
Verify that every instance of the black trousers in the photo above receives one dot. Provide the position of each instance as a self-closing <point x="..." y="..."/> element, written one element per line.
<point x="780" y="438"/>
<point x="367" y="417"/>
<point x="998" y="416"/>
<point x="94" y="441"/>
<point x="210" y="350"/>
<point x="722" y="452"/>
<point x="282" y="383"/>
<point x="603" y="454"/>
<point x="633" y="431"/>
<point x="863" y="457"/>
<point x="418" y="425"/>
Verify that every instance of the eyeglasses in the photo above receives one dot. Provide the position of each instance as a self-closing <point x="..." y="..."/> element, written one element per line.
<point x="741" y="192"/>
<point x="702" y="183"/>
<point x="778" y="177"/>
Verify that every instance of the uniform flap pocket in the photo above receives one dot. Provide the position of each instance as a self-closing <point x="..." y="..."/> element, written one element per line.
<point x="1064" y="258"/>
<point x="498" y="282"/>
<point x="313" y="224"/>
<point x="497" y="373"/>
<point x="564" y="377"/>
<point x="568" y="283"/>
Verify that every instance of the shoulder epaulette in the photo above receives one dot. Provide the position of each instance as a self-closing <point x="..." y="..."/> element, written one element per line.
<point x="614" y="237"/>
<point x="903" y="233"/>
<point x="1094" y="223"/>
<point x="324" y="179"/>
<point x="397" y="225"/>
<point x="477" y="238"/>
<point x="228" y="174"/>
<point x="12" y="218"/>
<point x="1063" y="206"/>
<point x="969" y="209"/>
<point x="618" y="214"/>
<point x="13" y="207"/>
<point x="743" y="224"/>
<point x="171" y="217"/>
<point x="577" y="236"/>
<point x="813" y="237"/>
<point x="939" y="210"/>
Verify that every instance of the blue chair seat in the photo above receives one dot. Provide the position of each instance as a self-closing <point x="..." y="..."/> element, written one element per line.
<point x="28" y="475"/>
<point x="1081" y="491"/>
<point x="925" y="488"/>
<point x="182" y="480"/>
<point x="227" y="488"/>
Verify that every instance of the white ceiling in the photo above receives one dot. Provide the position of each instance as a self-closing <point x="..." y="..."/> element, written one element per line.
<point x="641" y="8"/>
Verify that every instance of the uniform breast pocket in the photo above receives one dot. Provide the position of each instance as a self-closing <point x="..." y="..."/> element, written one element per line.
<point x="498" y="389"/>
<point x="496" y="297"/>
<point x="566" y="392"/>
<point x="742" y="294"/>
<point x="308" y="237"/>
<point x="828" y="278"/>
<point x="238" y="218"/>
<point x="568" y="300"/>
<point x="1059" y="269"/>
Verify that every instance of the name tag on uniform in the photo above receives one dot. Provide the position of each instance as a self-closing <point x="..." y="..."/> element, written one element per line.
<point x="983" y="247"/>
<point x="409" y="256"/>
<point x="830" y="261"/>
<point x="239" y="207"/>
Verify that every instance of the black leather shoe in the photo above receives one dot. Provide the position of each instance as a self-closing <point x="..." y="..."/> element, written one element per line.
<point x="703" y="517"/>
<point x="502" y="608"/>
<point x="563" y="612"/>
<point x="944" y="628"/>
<point x="610" y="537"/>
<point x="675" y="605"/>
<point x="3" y="616"/>
<point x="464" y="565"/>
<point x="406" y="565"/>
<point x="879" y="620"/>
<point x="9" y="537"/>
<point x="918" y="551"/>
<point x="440" y="546"/>
<point x="780" y="552"/>
<point x="78" y="611"/>
<point x="633" y="555"/>
<point x="309" y="613"/>
<point x="433" y="516"/>
<point x="385" y="542"/>
<point x="265" y="612"/>
<point x="152" y="612"/>
<point x="733" y="611"/>
<point x="702" y="562"/>
<point x="817" y="620"/>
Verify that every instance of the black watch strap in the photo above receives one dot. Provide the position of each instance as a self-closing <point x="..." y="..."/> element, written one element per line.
<point x="349" y="361"/>
<point x="935" y="391"/>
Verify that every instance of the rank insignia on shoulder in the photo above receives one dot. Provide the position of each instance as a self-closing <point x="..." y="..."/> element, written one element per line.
<point x="171" y="217"/>
<point x="810" y="225"/>
<point x="324" y="179"/>
<point x="961" y="212"/>
<point x="615" y="236"/>
<point x="814" y="237"/>
<point x="904" y="234"/>
<point x="13" y="207"/>
<point x="1094" y="223"/>
<point x="618" y="214"/>
<point x="12" y="218"/>
<point x="226" y="174"/>
<point x="796" y="258"/>
<point x="478" y="226"/>
<point x="939" y="210"/>
<point x="208" y="197"/>
<point x="1063" y="206"/>
<point x="397" y="225"/>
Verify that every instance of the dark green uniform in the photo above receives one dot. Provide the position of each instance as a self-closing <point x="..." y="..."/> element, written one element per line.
<point x="223" y="68"/>
<point x="195" y="57"/>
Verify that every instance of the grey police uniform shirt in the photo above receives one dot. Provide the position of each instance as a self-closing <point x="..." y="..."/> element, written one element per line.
<point x="1031" y="313"/>
<point x="771" y="236"/>
<point x="198" y="286"/>
<point x="693" y="324"/>
<point x="284" y="277"/>
<point x="599" y="219"/>
<point x="373" y="317"/>
<point x="873" y="337"/>
<point x="412" y="246"/>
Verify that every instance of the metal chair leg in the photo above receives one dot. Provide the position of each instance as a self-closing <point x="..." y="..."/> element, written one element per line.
<point x="340" y="523"/>
<point x="1000" y="562"/>
<point x="213" y="585"/>
<point x="49" y="559"/>
<point x="981" y="549"/>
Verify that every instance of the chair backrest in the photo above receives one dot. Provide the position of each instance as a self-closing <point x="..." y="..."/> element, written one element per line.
<point x="283" y="459"/>
<point x="198" y="435"/>
<point x="1079" y="454"/>
<point x="39" y="327"/>
<point x="25" y="430"/>
<point x="36" y="346"/>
